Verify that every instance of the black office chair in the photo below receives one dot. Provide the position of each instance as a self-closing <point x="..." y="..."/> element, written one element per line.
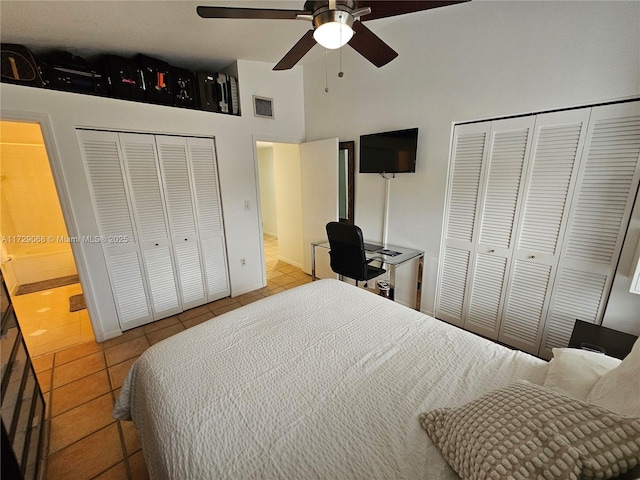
<point x="347" y="252"/>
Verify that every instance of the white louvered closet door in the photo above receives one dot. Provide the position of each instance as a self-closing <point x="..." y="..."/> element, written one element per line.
<point x="500" y="198"/>
<point x="202" y="156"/>
<point x="174" y="164"/>
<point x="141" y="163"/>
<point x="602" y="203"/>
<point x="103" y="163"/>
<point x="468" y="154"/>
<point x="550" y="179"/>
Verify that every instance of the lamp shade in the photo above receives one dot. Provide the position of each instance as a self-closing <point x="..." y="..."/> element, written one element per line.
<point x="333" y="28"/>
<point x="333" y="35"/>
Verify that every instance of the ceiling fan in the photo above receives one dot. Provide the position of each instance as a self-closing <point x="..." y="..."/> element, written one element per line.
<point x="335" y="23"/>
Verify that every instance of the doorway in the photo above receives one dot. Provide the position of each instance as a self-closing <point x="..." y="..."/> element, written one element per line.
<point x="36" y="259"/>
<point x="281" y="207"/>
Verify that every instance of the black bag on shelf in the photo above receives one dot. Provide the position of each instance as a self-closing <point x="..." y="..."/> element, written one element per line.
<point x="64" y="71"/>
<point x="19" y="66"/>
<point x="124" y="78"/>
<point x="158" y="80"/>
<point x="207" y="92"/>
<point x="218" y="93"/>
<point x="184" y="88"/>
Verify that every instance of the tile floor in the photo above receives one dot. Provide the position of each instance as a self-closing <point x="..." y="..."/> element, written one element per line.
<point x="46" y="322"/>
<point x="81" y="384"/>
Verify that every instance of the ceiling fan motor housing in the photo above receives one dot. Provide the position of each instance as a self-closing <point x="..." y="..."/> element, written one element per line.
<point x="317" y="6"/>
<point x="338" y="16"/>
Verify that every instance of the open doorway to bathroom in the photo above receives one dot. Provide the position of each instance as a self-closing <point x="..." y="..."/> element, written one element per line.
<point x="36" y="258"/>
<point x="281" y="209"/>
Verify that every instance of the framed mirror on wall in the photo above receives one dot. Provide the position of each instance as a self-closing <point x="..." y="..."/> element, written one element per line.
<point x="346" y="181"/>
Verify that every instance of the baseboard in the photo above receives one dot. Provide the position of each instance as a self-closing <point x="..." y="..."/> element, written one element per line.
<point x="237" y="293"/>
<point x="290" y="262"/>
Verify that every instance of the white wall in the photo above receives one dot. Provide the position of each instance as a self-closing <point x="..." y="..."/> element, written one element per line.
<point x="267" y="191"/>
<point x="288" y="186"/>
<point x="470" y="61"/>
<point x="61" y="113"/>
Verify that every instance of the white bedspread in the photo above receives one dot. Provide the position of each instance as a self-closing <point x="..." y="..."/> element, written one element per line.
<point x="325" y="381"/>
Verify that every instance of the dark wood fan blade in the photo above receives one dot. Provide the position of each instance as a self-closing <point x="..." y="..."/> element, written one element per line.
<point x="258" y="13"/>
<point x="390" y="8"/>
<point x="370" y="46"/>
<point x="298" y="51"/>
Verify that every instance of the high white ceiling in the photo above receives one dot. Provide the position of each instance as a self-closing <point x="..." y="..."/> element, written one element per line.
<point x="169" y="30"/>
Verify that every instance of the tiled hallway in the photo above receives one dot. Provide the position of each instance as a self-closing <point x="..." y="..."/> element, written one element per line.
<point x="81" y="384"/>
<point x="46" y="322"/>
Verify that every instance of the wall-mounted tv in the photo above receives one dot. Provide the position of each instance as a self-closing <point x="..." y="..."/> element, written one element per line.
<point x="389" y="152"/>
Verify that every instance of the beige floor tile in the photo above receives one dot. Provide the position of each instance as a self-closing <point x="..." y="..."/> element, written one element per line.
<point x="87" y="458"/>
<point x="47" y="314"/>
<point x="226" y="308"/>
<point x="72" y="371"/>
<point x="274" y="291"/>
<point x="43" y="362"/>
<point x="81" y="391"/>
<point x="44" y="380"/>
<point x="248" y="300"/>
<point x="271" y="274"/>
<point x="118" y="472"/>
<point x="283" y="280"/>
<point x="159" y="335"/>
<point x="220" y="303"/>
<point x="125" y="337"/>
<point x="138" y="467"/>
<point x="193" y="312"/>
<point x="297" y="283"/>
<point x="160" y="324"/>
<point x="77" y="423"/>
<point x="118" y="372"/>
<point x="300" y="275"/>
<point x="192" y="322"/>
<point x="61" y="342"/>
<point x="76" y="352"/>
<point x="288" y="269"/>
<point x="124" y="351"/>
<point x="130" y="436"/>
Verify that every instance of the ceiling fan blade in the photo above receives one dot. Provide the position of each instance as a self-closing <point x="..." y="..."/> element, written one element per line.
<point x="370" y="46"/>
<point x="390" y="8"/>
<point x="257" y="13"/>
<point x="298" y="51"/>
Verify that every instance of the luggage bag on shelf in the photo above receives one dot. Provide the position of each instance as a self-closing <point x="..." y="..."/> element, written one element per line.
<point x="124" y="78"/>
<point x="184" y="88"/>
<point x="158" y="81"/>
<point x="218" y="93"/>
<point x="19" y="66"/>
<point x="68" y="72"/>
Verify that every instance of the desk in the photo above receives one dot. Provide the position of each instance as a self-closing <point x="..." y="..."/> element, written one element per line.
<point x="390" y="262"/>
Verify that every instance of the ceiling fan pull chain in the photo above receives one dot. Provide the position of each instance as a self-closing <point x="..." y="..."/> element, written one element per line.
<point x="341" y="73"/>
<point x="326" y="72"/>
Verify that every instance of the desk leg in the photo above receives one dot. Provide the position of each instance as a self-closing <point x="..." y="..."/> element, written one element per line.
<point x="392" y="282"/>
<point x="419" y="283"/>
<point x="313" y="263"/>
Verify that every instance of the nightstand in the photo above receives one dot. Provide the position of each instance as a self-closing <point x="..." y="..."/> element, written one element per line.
<point x="601" y="339"/>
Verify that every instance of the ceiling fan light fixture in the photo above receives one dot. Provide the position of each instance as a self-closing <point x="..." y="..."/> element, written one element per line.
<point x="332" y="28"/>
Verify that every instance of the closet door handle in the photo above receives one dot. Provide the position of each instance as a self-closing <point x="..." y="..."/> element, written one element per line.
<point x="532" y="257"/>
<point x="492" y="250"/>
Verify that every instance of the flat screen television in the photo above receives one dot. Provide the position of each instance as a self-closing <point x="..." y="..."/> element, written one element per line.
<point x="389" y="152"/>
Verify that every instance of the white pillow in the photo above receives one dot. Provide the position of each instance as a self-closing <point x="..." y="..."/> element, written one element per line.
<point x="619" y="389"/>
<point x="574" y="372"/>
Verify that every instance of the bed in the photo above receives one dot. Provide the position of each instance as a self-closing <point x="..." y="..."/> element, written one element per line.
<point x="323" y="381"/>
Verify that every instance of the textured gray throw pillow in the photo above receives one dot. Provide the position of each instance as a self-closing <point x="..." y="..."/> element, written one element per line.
<point x="526" y="431"/>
